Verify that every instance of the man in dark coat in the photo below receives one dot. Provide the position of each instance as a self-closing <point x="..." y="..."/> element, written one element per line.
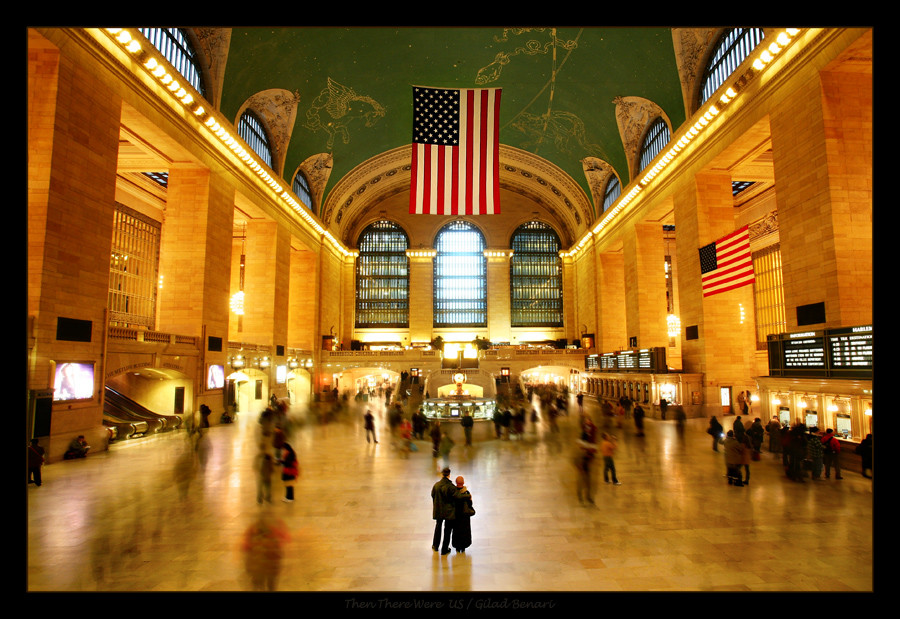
<point x="444" y="495"/>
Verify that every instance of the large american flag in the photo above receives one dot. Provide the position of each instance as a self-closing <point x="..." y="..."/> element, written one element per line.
<point x="455" y="151"/>
<point x="727" y="263"/>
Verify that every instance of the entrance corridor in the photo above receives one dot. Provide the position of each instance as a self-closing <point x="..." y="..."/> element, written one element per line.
<point x="155" y="515"/>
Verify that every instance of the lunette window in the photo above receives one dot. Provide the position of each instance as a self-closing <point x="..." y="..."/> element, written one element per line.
<point x="302" y="191"/>
<point x="731" y="50"/>
<point x="251" y="130"/>
<point x="654" y="142"/>
<point x="174" y="45"/>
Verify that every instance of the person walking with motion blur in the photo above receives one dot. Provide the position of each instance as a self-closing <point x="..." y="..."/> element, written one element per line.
<point x="370" y="427"/>
<point x="585" y="453"/>
<point x="608" y="451"/>
<point x="715" y="430"/>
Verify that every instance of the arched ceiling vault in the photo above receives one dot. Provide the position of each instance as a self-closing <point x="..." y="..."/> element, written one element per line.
<point x="342" y="103"/>
<point x="359" y="194"/>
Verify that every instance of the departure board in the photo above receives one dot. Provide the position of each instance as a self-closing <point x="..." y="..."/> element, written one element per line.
<point x="843" y="352"/>
<point x="851" y="349"/>
<point x="649" y="360"/>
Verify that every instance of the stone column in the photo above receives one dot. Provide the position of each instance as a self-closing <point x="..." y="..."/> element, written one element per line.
<point x="645" y="285"/>
<point x="421" y="294"/>
<point x="73" y="125"/>
<point x="823" y="176"/>
<point x="498" y="299"/>
<point x="719" y="339"/>
<point x="610" y="274"/>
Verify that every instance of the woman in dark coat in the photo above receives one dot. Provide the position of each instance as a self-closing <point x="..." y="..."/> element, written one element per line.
<point x="462" y="526"/>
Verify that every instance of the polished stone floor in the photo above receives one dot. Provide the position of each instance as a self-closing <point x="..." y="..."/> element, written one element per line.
<point x="154" y="515"/>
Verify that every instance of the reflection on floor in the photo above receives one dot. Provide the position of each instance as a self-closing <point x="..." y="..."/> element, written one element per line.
<point x="153" y="515"/>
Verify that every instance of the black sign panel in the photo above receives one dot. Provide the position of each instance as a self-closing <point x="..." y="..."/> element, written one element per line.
<point x="850" y="349"/>
<point x="649" y="360"/>
<point x="838" y="353"/>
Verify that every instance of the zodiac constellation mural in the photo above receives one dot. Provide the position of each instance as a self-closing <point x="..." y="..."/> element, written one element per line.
<point x="563" y="130"/>
<point x="337" y="107"/>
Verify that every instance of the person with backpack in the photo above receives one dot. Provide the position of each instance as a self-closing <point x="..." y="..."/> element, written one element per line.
<point x="832" y="454"/>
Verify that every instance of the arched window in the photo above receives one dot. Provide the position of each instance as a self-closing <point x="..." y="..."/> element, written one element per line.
<point x="654" y="142"/>
<point x="535" y="277"/>
<point x="460" y="277"/>
<point x="731" y="50"/>
<point x="382" y="277"/>
<point x="612" y="192"/>
<point x="302" y="191"/>
<point x="251" y="130"/>
<point x="174" y="45"/>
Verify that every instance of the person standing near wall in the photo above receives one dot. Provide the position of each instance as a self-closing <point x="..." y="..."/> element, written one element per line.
<point x="35" y="462"/>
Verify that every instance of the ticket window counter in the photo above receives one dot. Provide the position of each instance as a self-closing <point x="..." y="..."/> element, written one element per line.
<point x="784" y="415"/>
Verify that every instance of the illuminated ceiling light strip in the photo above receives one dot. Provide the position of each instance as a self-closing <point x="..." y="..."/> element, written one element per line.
<point x="690" y="134"/>
<point x="157" y="68"/>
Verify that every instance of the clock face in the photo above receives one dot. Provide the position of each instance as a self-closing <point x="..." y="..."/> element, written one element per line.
<point x="459" y="378"/>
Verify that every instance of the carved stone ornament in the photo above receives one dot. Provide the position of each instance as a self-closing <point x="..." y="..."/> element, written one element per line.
<point x="277" y="108"/>
<point x="633" y="115"/>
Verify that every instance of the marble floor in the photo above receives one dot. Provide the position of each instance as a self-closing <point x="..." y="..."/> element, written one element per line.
<point x="153" y="515"/>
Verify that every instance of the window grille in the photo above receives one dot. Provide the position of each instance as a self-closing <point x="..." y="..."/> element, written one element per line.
<point x="612" y="193"/>
<point x="535" y="277"/>
<point x="302" y="191"/>
<point x="174" y="45"/>
<point x="654" y="142"/>
<point x="382" y="277"/>
<point x="133" y="269"/>
<point x="460" y="277"/>
<point x="733" y="47"/>
<point x="250" y="128"/>
<point x="768" y="294"/>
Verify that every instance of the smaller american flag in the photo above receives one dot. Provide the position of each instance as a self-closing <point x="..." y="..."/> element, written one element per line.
<point x="727" y="263"/>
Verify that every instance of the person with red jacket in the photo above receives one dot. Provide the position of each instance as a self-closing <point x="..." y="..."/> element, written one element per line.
<point x="832" y="454"/>
<point x="290" y="471"/>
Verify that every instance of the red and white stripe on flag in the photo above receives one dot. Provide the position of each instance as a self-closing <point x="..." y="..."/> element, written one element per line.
<point x="727" y="264"/>
<point x="455" y="151"/>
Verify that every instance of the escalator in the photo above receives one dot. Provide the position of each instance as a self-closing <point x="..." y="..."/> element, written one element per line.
<point x="127" y="419"/>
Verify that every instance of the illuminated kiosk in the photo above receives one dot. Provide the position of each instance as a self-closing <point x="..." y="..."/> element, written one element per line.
<point x="452" y="394"/>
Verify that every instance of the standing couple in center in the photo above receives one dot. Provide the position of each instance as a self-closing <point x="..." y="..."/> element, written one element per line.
<point x="451" y="511"/>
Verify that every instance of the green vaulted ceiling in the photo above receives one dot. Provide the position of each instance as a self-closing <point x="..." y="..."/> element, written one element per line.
<point x="559" y="85"/>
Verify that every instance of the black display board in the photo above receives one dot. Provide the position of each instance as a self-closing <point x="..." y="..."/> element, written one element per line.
<point x="648" y="360"/>
<point x="845" y="352"/>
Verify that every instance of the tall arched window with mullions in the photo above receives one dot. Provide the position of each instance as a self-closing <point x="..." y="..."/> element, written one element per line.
<point x="252" y="131"/>
<point x="535" y="277"/>
<point x="460" y="277"/>
<point x="382" y="277"/>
